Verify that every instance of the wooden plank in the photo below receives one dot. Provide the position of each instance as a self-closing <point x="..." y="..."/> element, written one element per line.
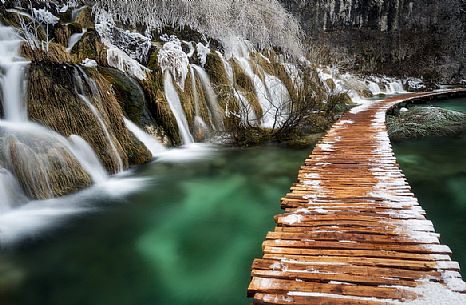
<point x="352" y="232"/>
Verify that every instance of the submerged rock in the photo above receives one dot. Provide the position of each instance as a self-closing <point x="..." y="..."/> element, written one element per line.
<point x="41" y="161"/>
<point x="419" y="122"/>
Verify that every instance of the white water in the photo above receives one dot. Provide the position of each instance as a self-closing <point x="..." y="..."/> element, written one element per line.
<point x="199" y="124"/>
<point x="11" y="193"/>
<point x="271" y="93"/>
<point x="175" y="105"/>
<point x="212" y="102"/>
<point x="74" y="39"/>
<point x="87" y="158"/>
<point x="149" y="141"/>
<point x="100" y="120"/>
<point x="12" y="78"/>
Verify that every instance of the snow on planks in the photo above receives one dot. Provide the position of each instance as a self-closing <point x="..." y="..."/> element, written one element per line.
<point x="352" y="231"/>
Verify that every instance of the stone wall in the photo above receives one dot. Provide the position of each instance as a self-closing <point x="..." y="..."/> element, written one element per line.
<point x="423" y="38"/>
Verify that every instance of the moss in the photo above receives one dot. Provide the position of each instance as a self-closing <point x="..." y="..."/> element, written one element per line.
<point x="152" y="62"/>
<point x="56" y="53"/>
<point x="85" y="19"/>
<point x="89" y="46"/>
<point x="200" y="132"/>
<point x="216" y="70"/>
<point x="263" y="62"/>
<point x="61" y="34"/>
<point x="74" y="28"/>
<point x="331" y="84"/>
<point x="135" y="151"/>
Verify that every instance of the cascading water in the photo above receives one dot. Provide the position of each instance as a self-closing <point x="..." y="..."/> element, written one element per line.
<point x="151" y="144"/>
<point x="12" y="79"/>
<point x="212" y="102"/>
<point x="74" y="39"/>
<point x="271" y="93"/>
<point x="35" y="162"/>
<point x="199" y="125"/>
<point x="100" y="120"/>
<point x="88" y="159"/>
<point x="175" y="105"/>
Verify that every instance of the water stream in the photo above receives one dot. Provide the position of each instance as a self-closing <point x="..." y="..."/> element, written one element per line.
<point x="436" y="170"/>
<point x="175" y="105"/>
<point x="187" y="237"/>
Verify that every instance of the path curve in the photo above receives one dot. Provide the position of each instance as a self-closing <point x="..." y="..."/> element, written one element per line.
<point x="352" y="231"/>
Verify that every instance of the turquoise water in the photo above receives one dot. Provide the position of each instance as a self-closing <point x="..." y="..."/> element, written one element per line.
<point x="436" y="170"/>
<point x="188" y="237"/>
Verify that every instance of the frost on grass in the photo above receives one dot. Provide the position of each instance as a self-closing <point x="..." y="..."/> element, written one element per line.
<point x="265" y="23"/>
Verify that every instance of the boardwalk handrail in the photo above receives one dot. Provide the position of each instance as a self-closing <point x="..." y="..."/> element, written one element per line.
<point x="352" y="231"/>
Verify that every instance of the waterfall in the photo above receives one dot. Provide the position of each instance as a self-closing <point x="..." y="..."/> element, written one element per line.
<point x="10" y="191"/>
<point x="12" y="80"/>
<point x="151" y="144"/>
<point x="374" y="88"/>
<point x="35" y="161"/>
<point x="100" y="120"/>
<point x="74" y="39"/>
<point x="271" y="93"/>
<point x="212" y="102"/>
<point x="227" y="66"/>
<point x="175" y="105"/>
<point x="87" y="158"/>
<point x="199" y="123"/>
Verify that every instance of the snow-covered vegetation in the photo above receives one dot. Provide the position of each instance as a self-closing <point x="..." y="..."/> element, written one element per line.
<point x="263" y="22"/>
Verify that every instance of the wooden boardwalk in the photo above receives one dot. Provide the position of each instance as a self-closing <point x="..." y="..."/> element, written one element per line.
<point x="352" y="231"/>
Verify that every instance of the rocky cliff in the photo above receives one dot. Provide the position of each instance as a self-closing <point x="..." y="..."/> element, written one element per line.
<point x="423" y="38"/>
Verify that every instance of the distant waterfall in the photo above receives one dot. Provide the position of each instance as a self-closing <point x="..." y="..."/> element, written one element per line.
<point x="175" y="105"/>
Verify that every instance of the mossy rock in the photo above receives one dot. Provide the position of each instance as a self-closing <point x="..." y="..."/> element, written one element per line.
<point x="129" y="95"/>
<point x="89" y="46"/>
<point x="56" y="53"/>
<point x="85" y="18"/>
<point x="74" y="28"/>
<point x="53" y="102"/>
<point x="152" y="62"/>
<point x="43" y="167"/>
<point x="216" y="69"/>
<point x="61" y="34"/>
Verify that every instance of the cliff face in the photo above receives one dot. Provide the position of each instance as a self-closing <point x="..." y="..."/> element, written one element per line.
<point x="423" y="38"/>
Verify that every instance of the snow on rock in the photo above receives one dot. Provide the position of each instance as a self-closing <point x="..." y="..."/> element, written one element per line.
<point x="89" y="63"/>
<point x="124" y="49"/>
<point x="118" y="59"/>
<point x="172" y="58"/>
<point x="202" y="52"/>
